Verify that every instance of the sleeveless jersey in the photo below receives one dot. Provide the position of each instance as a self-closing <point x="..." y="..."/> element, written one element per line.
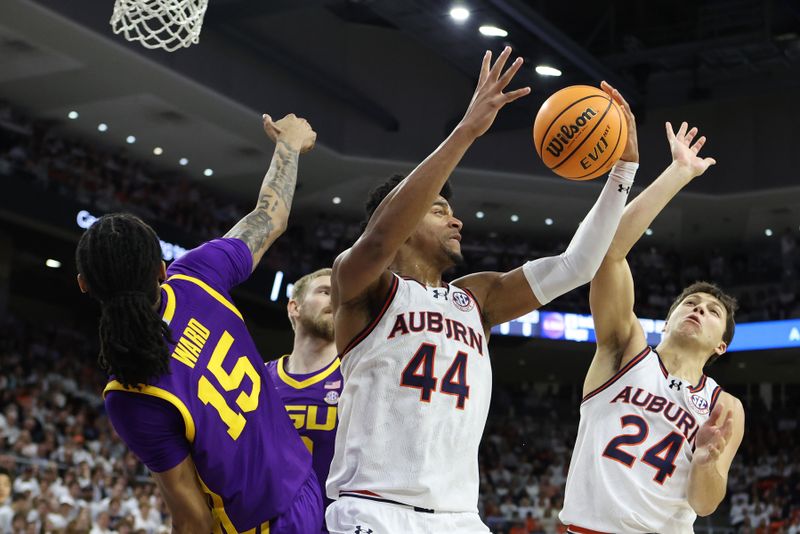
<point x="249" y="458"/>
<point x="630" y="467"/>
<point x="312" y="400"/>
<point x="417" y="385"/>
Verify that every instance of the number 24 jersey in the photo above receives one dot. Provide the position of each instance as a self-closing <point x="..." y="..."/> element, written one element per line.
<point x="630" y="466"/>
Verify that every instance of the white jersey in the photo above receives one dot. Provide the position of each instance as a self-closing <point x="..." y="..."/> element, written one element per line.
<point x="630" y="467"/>
<point x="417" y="386"/>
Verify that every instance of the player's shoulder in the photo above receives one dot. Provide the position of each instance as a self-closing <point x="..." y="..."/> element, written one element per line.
<point x="731" y="402"/>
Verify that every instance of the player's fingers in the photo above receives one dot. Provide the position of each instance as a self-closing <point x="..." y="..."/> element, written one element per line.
<point x="514" y="95"/>
<point x="699" y="144"/>
<point x="485" y="65"/>
<point x="500" y="64"/>
<point x="605" y="86"/>
<point x="269" y="126"/>
<point x="670" y="131"/>
<point x="508" y="75"/>
<point x="710" y="161"/>
<point x="682" y="130"/>
<point x="716" y="412"/>
<point x="622" y="102"/>
<point x="690" y="135"/>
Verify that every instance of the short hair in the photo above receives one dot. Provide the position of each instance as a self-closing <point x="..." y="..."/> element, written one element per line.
<point x="377" y="195"/>
<point x="727" y="301"/>
<point x="6" y="472"/>
<point x="300" y="287"/>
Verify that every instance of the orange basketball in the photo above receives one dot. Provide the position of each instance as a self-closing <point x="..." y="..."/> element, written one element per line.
<point x="580" y="132"/>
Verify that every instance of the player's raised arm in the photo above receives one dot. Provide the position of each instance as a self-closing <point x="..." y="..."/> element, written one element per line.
<point x="506" y="296"/>
<point x="619" y="336"/>
<point x="361" y="267"/>
<point x="268" y="220"/>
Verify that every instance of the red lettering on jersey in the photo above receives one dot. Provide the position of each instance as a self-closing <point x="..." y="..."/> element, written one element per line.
<point x="624" y="396"/>
<point x="434" y="322"/>
<point x="656" y="404"/>
<point x="416" y="328"/>
<point x="399" y="326"/>
<point x="686" y="421"/>
<point x="639" y="402"/>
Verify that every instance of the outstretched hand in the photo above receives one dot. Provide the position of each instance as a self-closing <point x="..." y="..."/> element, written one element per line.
<point x="713" y="436"/>
<point x="631" y="152"/>
<point x="489" y="97"/>
<point x="684" y="152"/>
<point x="293" y="130"/>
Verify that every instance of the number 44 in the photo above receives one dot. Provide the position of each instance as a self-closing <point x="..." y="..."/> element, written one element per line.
<point x="418" y="374"/>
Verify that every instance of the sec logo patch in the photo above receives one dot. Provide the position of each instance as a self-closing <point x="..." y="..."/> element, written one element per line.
<point x="699" y="404"/>
<point x="462" y="301"/>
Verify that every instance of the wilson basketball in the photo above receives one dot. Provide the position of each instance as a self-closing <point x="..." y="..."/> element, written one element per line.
<point x="580" y="132"/>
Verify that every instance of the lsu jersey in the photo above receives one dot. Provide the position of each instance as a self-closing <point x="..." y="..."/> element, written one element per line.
<point x="632" y="458"/>
<point x="311" y="401"/>
<point x="417" y="385"/>
<point x="249" y="459"/>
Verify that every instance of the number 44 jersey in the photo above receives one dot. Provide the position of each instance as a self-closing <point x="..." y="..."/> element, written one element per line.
<point x="630" y="466"/>
<point x="417" y="385"/>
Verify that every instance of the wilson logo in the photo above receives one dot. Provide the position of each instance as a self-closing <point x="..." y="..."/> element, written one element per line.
<point x="563" y="136"/>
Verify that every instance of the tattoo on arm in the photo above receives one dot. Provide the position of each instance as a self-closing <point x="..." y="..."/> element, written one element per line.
<point x="263" y="225"/>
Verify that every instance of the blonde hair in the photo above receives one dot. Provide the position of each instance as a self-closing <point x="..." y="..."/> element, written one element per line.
<point x="300" y="287"/>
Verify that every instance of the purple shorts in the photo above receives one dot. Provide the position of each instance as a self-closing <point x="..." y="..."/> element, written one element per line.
<point x="307" y="513"/>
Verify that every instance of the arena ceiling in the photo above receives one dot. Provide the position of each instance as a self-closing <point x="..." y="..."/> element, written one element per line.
<point x="382" y="81"/>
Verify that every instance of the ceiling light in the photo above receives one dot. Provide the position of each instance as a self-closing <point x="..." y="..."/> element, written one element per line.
<point x="130" y="139"/>
<point x="514" y="218"/>
<point x="158" y="151"/>
<point x="768" y="232"/>
<point x="544" y="70"/>
<point x="208" y="172"/>
<point x="548" y="221"/>
<point x="459" y="14"/>
<point x="492" y="31"/>
<point x="102" y="127"/>
<point x="649" y="231"/>
<point x="479" y="214"/>
<point x="73" y="115"/>
<point x="53" y="264"/>
<point x="183" y="161"/>
<point x="336" y="200"/>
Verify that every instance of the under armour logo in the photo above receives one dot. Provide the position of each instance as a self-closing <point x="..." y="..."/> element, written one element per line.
<point x="675" y="384"/>
<point x="440" y="293"/>
<point x="360" y="530"/>
<point x="623" y="189"/>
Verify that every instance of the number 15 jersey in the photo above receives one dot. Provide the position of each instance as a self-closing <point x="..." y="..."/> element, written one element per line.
<point x="417" y="385"/>
<point x="633" y="454"/>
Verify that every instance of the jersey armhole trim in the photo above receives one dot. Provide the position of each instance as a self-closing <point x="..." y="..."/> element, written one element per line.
<point x="163" y="394"/>
<point x="371" y="326"/>
<point x="639" y="357"/>
<point x="714" y="398"/>
<point x="477" y="303"/>
<point x="210" y="290"/>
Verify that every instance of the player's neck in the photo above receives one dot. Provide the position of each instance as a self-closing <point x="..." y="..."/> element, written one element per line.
<point x="310" y="354"/>
<point x="682" y="362"/>
<point x="413" y="266"/>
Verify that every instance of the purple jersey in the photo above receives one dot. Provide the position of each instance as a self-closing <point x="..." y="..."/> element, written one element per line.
<point x="248" y="456"/>
<point x="311" y="401"/>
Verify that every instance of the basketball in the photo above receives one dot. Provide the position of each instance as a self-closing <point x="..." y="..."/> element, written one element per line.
<point x="580" y="132"/>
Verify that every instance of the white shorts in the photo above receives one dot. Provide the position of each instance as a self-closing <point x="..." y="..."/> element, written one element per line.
<point x="351" y="515"/>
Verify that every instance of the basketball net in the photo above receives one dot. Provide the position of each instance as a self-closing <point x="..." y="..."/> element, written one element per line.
<point x="167" y="24"/>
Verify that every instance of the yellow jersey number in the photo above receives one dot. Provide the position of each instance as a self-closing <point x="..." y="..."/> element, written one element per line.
<point x="209" y="394"/>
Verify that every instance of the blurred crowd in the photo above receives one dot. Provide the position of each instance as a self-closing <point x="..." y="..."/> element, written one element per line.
<point x="62" y="468"/>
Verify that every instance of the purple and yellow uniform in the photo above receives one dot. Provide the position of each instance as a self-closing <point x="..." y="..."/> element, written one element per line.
<point x="311" y="401"/>
<point x="218" y="404"/>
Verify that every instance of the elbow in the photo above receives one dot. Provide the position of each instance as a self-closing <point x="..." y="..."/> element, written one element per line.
<point x="704" y="507"/>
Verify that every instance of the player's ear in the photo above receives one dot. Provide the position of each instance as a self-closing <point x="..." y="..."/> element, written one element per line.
<point x="162" y="272"/>
<point x="721" y="349"/>
<point x="82" y="284"/>
<point x="293" y="308"/>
